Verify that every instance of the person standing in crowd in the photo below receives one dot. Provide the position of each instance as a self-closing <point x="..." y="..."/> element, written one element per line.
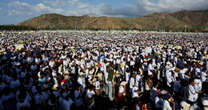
<point x="75" y="70"/>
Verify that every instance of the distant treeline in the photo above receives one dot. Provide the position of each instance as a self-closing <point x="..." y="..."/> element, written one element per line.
<point x="15" y="28"/>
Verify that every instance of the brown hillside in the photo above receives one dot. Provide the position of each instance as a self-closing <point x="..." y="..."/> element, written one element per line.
<point x="192" y="20"/>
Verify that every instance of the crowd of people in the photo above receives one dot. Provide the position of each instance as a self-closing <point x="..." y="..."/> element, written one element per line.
<point x="81" y="70"/>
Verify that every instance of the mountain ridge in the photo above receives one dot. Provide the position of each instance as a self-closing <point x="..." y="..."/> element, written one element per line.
<point x="178" y="21"/>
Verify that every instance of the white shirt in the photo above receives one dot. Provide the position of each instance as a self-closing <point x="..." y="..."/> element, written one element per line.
<point x="54" y="73"/>
<point x="132" y="63"/>
<point x="193" y="96"/>
<point x="150" y="68"/>
<point x="97" y="85"/>
<point x="134" y="92"/>
<point x="132" y="82"/>
<point x="51" y="63"/>
<point x="127" y="76"/>
<point x="78" y="62"/>
<point x="90" y="94"/>
<point x="121" y="89"/>
<point x="138" y="79"/>
<point x="118" y="61"/>
<point x="166" y="105"/>
<point x="203" y="76"/>
<point x="169" y="78"/>
<point x="37" y="60"/>
<point x="81" y="81"/>
<point x="197" y="85"/>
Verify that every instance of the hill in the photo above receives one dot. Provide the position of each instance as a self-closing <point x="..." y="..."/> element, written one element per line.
<point x="178" y="21"/>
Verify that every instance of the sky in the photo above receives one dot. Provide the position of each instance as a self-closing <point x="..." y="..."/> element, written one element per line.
<point x="16" y="11"/>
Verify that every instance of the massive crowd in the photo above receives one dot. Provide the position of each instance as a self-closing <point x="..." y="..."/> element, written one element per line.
<point x="81" y="70"/>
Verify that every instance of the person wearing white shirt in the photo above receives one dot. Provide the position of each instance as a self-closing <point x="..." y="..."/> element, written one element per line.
<point x="106" y="76"/>
<point x="44" y="58"/>
<point x="198" y="72"/>
<point x="37" y="60"/>
<point x="78" y="62"/>
<point x="169" y="78"/>
<point x="192" y="94"/>
<point x="30" y="59"/>
<point x="97" y="85"/>
<point x="150" y="69"/>
<point x="118" y="60"/>
<point x="127" y="75"/>
<point x="166" y="105"/>
<point x="197" y="85"/>
<point x="51" y="63"/>
<point x="82" y="64"/>
<point x="135" y="92"/>
<point x="132" y="81"/>
<point x="81" y="80"/>
<point x="90" y="93"/>
<point x="204" y="75"/>
<point x="132" y="63"/>
<point x="121" y="90"/>
<point x="138" y="80"/>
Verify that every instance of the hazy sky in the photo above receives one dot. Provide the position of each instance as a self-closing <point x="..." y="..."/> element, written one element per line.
<point x="15" y="11"/>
